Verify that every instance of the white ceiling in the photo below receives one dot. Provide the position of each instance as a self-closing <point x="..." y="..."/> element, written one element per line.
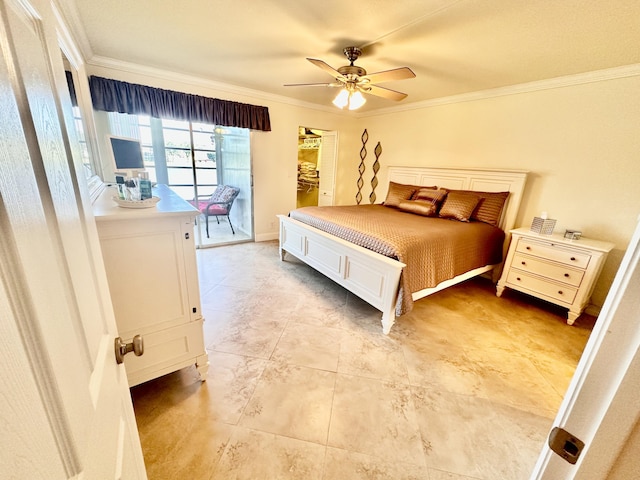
<point x="453" y="46"/>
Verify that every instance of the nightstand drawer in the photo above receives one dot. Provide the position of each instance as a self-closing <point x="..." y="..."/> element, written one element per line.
<point x="563" y="293"/>
<point x="554" y="271"/>
<point x="552" y="252"/>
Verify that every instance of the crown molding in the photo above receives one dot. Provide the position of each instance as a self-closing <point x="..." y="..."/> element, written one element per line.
<point x="552" y="83"/>
<point x="161" y="74"/>
<point x="624" y="71"/>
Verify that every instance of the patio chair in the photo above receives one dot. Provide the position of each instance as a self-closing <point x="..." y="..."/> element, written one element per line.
<point x="218" y="204"/>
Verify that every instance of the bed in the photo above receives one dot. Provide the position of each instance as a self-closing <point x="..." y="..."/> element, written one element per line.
<point x="383" y="279"/>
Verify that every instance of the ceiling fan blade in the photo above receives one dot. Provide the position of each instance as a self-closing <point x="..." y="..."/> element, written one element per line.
<point x="390" y="75"/>
<point x="383" y="92"/>
<point x="313" y="85"/>
<point x="327" y="68"/>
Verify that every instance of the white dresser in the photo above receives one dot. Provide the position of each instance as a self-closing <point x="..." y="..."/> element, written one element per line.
<point x="553" y="268"/>
<point x="149" y="257"/>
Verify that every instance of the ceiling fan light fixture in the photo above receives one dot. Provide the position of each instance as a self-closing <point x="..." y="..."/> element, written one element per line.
<point x="356" y="100"/>
<point x="342" y="99"/>
<point x="349" y="99"/>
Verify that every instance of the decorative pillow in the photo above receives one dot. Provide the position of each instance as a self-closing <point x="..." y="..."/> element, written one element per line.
<point x="459" y="206"/>
<point x="423" y="189"/>
<point x="489" y="209"/>
<point x="222" y="194"/>
<point x="419" y="207"/>
<point x="399" y="192"/>
<point x="432" y="195"/>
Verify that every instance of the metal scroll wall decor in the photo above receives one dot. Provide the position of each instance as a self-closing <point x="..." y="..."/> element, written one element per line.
<point x="361" y="167"/>
<point x="376" y="167"/>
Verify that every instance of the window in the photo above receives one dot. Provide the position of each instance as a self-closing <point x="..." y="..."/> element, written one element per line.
<point x="82" y="141"/>
<point x="180" y="154"/>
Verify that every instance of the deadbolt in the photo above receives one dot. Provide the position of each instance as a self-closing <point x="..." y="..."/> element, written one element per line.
<point x="122" y="348"/>
<point x="566" y="445"/>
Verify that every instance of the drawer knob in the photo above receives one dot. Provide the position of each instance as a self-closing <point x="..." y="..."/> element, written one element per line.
<point x="518" y="278"/>
<point x="524" y="263"/>
<point x="573" y="259"/>
<point x="560" y="292"/>
<point x="566" y="275"/>
<point x="528" y="248"/>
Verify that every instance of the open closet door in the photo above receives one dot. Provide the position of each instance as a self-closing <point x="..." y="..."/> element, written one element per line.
<point x="66" y="410"/>
<point x="327" y="168"/>
<point x="602" y="407"/>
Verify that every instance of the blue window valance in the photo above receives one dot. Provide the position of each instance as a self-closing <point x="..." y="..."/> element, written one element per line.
<point x="123" y="97"/>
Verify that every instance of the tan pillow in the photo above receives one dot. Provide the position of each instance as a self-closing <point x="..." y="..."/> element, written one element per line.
<point x="459" y="206"/>
<point x="399" y="192"/>
<point x="489" y="208"/>
<point x="419" y="207"/>
<point x="432" y="195"/>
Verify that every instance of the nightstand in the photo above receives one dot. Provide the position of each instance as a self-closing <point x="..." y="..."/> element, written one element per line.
<point x="553" y="268"/>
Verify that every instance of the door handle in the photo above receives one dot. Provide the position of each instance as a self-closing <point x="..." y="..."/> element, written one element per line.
<point x="122" y="348"/>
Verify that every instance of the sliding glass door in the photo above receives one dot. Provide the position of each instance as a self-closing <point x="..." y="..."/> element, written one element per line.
<point x="194" y="159"/>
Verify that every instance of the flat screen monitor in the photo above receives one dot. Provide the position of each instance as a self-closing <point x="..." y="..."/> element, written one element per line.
<point x="127" y="154"/>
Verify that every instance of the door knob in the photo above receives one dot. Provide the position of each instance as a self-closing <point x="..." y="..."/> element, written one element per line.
<point x="121" y="348"/>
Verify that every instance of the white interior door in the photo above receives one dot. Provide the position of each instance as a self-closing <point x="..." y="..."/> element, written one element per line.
<point x="65" y="405"/>
<point x="327" y="163"/>
<point x="602" y="405"/>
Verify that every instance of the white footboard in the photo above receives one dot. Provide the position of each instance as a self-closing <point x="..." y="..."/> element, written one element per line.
<point x="371" y="276"/>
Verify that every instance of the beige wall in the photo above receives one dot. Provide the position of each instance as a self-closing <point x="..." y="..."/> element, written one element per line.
<point x="581" y="144"/>
<point x="627" y="465"/>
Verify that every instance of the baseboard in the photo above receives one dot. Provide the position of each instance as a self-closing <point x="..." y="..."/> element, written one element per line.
<point x="593" y="310"/>
<point x="266" y="237"/>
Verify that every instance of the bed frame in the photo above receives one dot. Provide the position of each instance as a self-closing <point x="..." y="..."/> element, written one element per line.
<point x="374" y="277"/>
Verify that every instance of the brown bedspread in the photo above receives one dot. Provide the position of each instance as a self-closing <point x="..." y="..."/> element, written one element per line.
<point x="433" y="249"/>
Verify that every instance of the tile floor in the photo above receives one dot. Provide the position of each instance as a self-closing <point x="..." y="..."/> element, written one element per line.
<point x="304" y="385"/>
<point x="219" y="233"/>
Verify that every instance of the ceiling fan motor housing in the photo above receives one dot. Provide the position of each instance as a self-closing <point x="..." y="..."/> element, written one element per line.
<point x="352" y="70"/>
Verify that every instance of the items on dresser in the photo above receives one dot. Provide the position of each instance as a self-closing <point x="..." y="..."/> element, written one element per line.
<point x="145" y="186"/>
<point x="553" y="268"/>
<point x="543" y="224"/>
<point x="150" y="261"/>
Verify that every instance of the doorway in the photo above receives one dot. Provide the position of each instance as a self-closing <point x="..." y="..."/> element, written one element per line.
<point x="316" y="166"/>
<point x="232" y="161"/>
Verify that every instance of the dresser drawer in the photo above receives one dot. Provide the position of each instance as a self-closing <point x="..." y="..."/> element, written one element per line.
<point x="563" y="293"/>
<point x="554" y="271"/>
<point x="550" y="251"/>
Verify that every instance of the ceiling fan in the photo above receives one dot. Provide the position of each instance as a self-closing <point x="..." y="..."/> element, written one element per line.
<point x="354" y="81"/>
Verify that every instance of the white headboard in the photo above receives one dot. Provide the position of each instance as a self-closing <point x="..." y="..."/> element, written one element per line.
<point x="477" y="179"/>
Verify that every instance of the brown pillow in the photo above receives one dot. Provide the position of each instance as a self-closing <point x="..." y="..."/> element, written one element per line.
<point x="432" y="195"/>
<point x="423" y="189"/>
<point x="419" y="207"/>
<point x="399" y="192"/>
<point x="489" y="208"/>
<point x="459" y="206"/>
